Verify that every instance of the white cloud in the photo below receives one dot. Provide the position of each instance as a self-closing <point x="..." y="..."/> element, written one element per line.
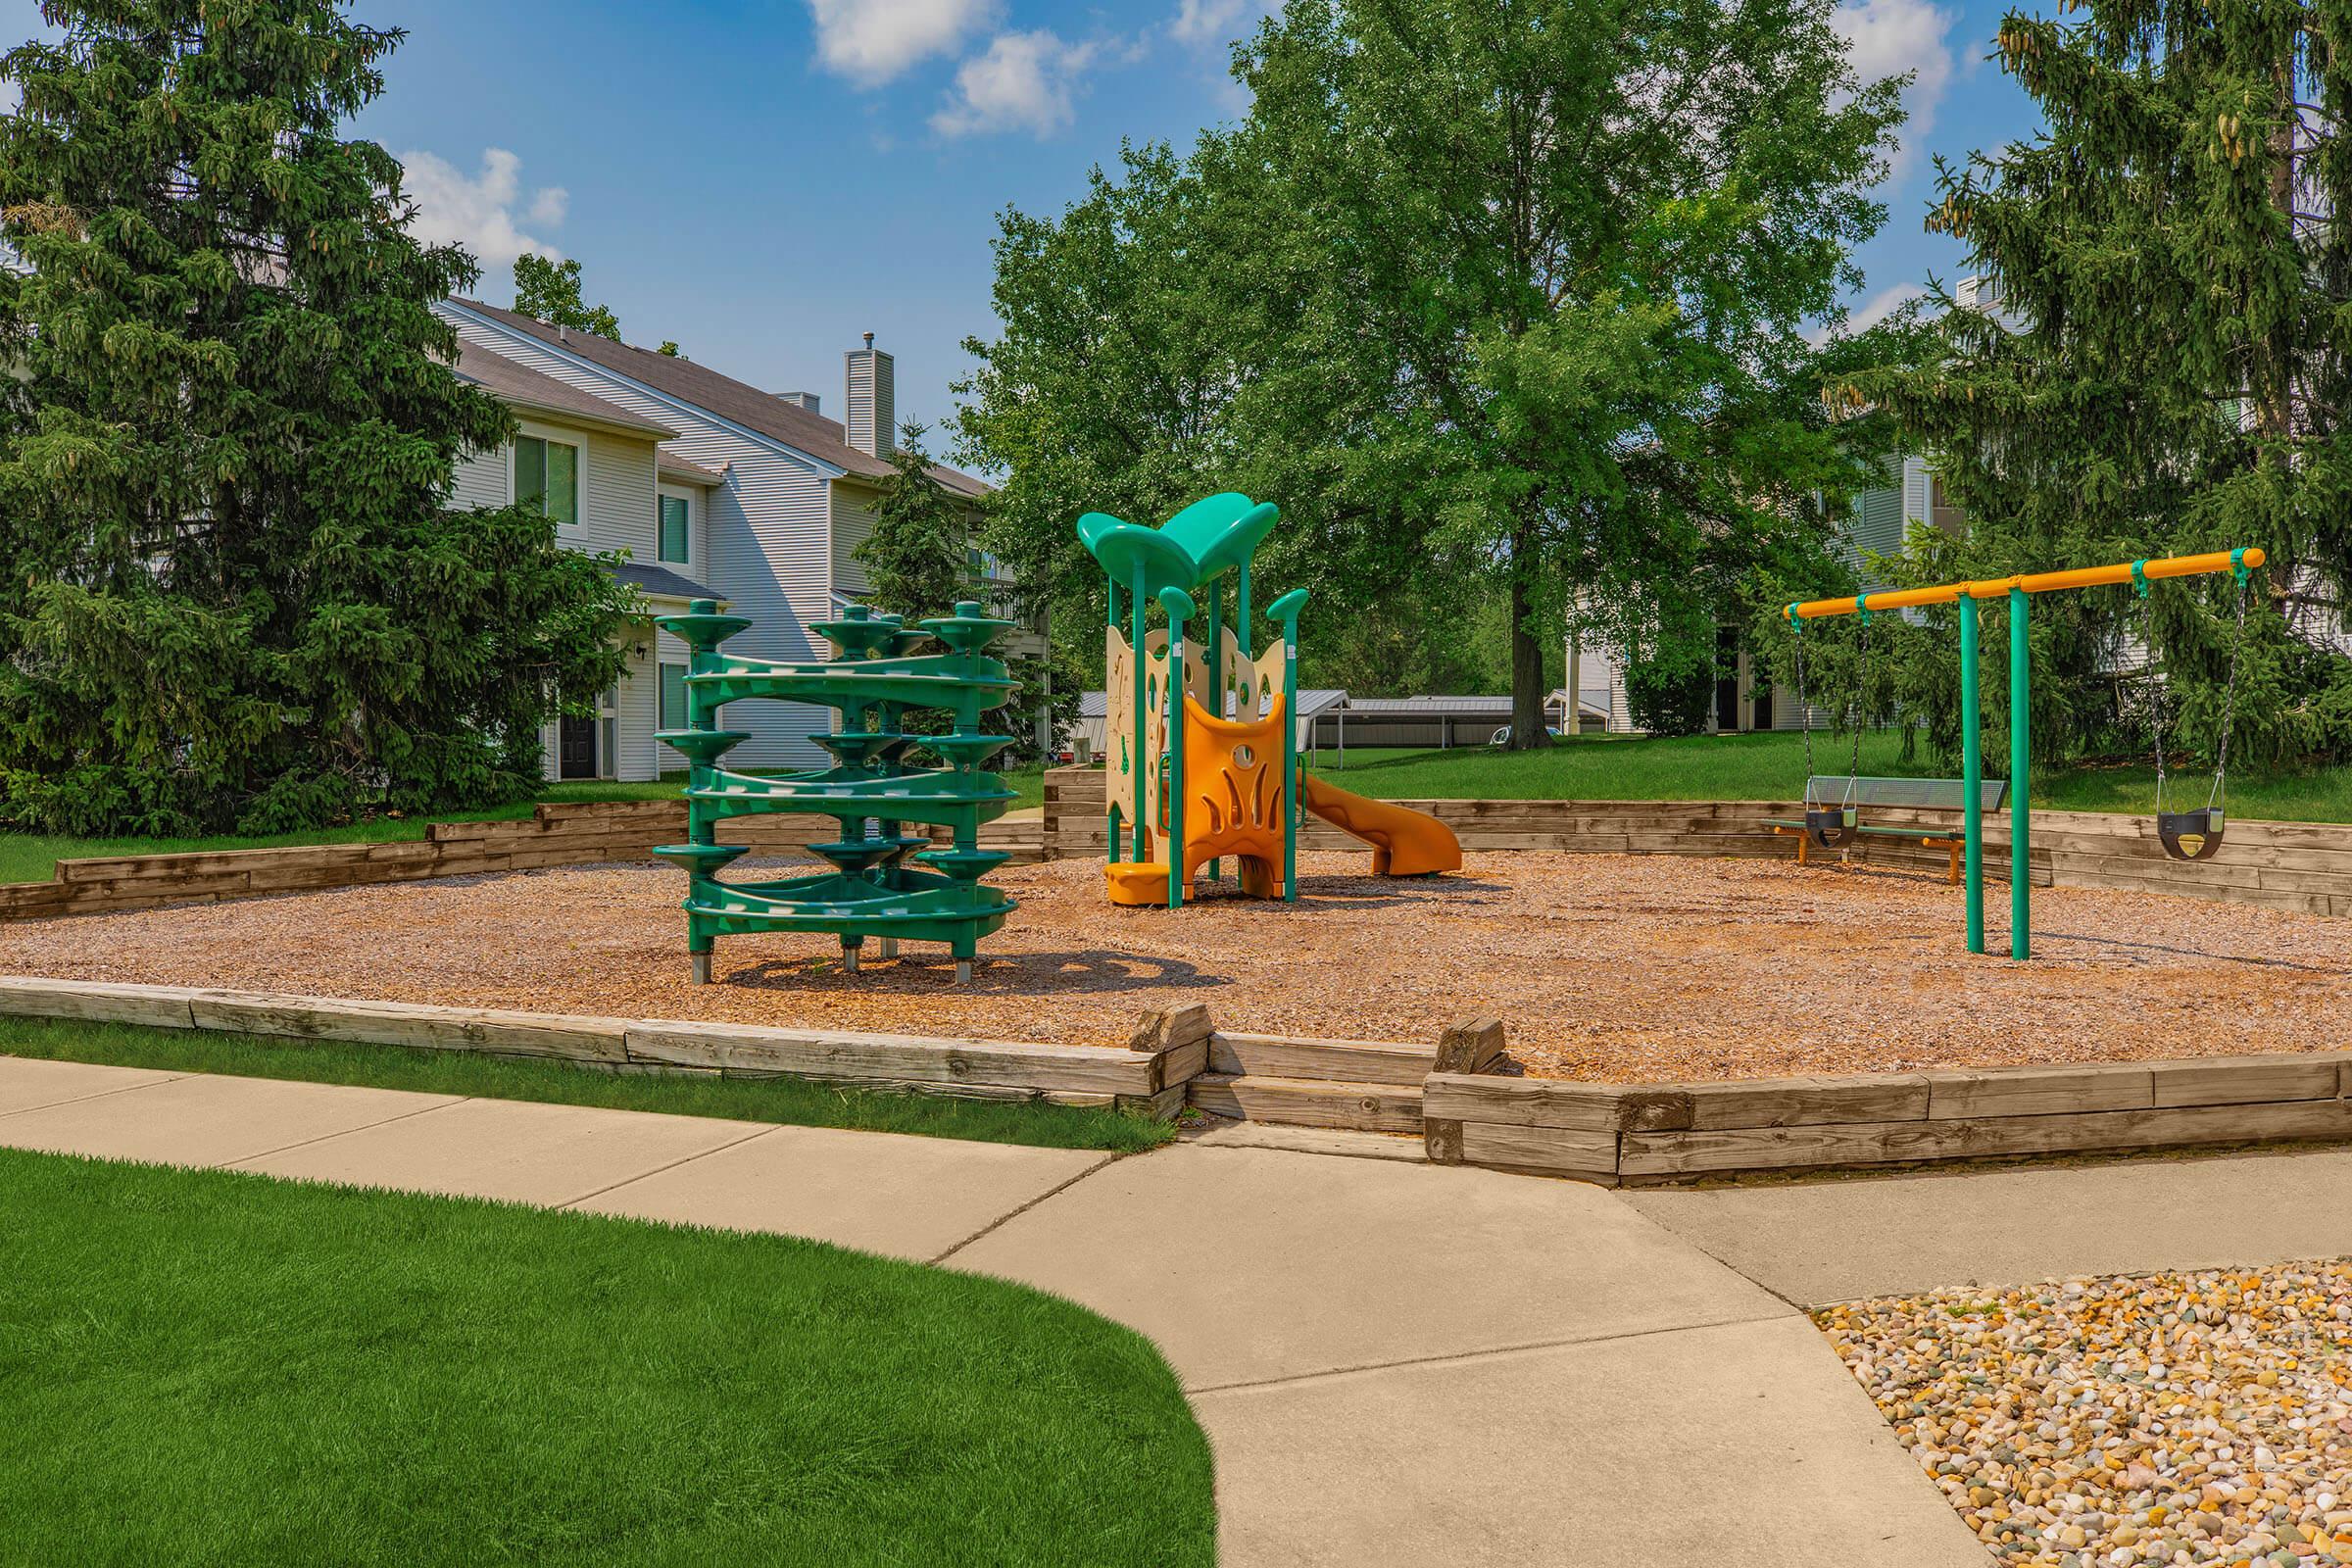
<point x="872" y="41"/>
<point x="1880" y="305"/>
<point x="1212" y="22"/>
<point x="1023" y="81"/>
<point x="1889" y="38"/>
<point x="479" y="213"/>
<point x="1872" y="310"/>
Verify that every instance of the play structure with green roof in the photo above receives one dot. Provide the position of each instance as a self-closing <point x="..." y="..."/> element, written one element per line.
<point x="1200" y="747"/>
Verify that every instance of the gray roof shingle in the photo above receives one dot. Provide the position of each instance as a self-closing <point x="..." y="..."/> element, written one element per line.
<point x="659" y="582"/>
<point x="520" y="387"/>
<point x="674" y="467"/>
<point x="737" y="402"/>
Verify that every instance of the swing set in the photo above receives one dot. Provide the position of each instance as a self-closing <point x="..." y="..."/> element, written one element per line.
<point x="2192" y="835"/>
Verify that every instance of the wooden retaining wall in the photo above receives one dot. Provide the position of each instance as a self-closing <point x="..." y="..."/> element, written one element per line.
<point x="1149" y="1076"/>
<point x="2285" y="866"/>
<point x="583" y="833"/>
<point x="1611" y="1134"/>
<point x="1648" y="1134"/>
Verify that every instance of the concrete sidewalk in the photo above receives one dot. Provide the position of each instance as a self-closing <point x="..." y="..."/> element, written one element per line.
<point x="1395" y="1363"/>
<point x="1846" y="1239"/>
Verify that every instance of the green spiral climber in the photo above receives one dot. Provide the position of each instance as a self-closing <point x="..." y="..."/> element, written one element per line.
<point x="871" y="790"/>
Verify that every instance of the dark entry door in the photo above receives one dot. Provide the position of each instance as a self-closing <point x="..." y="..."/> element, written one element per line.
<point x="1727" y="680"/>
<point x="575" y="748"/>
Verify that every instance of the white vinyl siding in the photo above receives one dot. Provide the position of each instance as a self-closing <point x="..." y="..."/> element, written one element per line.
<point x="765" y="541"/>
<point x="668" y="650"/>
<point x="1875" y="526"/>
<point x="482" y="478"/>
<point x="640" y="693"/>
<point x="854" y="510"/>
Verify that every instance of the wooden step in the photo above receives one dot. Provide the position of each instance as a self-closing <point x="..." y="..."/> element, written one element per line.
<point x="1347" y="1061"/>
<point x="1309" y="1102"/>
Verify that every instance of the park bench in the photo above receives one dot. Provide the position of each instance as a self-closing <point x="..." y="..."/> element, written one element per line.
<point x="1911" y="794"/>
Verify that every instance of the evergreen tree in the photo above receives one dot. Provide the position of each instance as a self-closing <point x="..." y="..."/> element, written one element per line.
<point x="550" y="293"/>
<point x="2161" y="366"/>
<point x="915" y="555"/>
<point x="228" y="440"/>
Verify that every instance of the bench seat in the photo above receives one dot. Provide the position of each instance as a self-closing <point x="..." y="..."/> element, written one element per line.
<point x="1911" y="794"/>
<point x="1928" y="837"/>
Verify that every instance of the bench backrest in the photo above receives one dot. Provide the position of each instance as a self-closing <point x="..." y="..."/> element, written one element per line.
<point x="1922" y="794"/>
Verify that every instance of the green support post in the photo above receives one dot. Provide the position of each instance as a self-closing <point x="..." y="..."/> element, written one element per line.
<point x="1241" y="619"/>
<point x="1135" y="742"/>
<point x="1972" y="773"/>
<point x="1283" y="613"/>
<point x="2021" y="781"/>
<point x="1179" y="605"/>
<point x="1117" y="834"/>
<point x="1216" y="667"/>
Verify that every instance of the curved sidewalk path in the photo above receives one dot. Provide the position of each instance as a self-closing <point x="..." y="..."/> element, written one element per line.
<point x="1395" y="1363"/>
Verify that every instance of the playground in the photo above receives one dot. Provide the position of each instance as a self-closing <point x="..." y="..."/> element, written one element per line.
<point x="1839" y="935"/>
<point x="1628" y="967"/>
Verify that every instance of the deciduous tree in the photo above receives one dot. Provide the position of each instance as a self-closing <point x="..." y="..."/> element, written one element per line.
<point x="550" y="291"/>
<point x="1517" y="288"/>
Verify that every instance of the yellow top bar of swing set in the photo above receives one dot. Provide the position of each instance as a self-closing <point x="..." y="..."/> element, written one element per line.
<point x="2035" y="582"/>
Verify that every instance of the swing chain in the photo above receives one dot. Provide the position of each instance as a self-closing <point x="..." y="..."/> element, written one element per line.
<point x="1854" y="767"/>
<point x="2147" y="639"/>
<point x="1804" y="710"/>
<point x="2238" y="644"/>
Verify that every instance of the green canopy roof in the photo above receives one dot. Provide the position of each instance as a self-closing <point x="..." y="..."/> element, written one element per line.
<point x="1206" y="539"/>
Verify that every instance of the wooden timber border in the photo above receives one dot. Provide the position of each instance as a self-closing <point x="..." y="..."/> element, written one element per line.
<point x="1611" y="1134"/>
<point x="581" y="833"/>
<point x="1652" y="1134"/>
<point x="1149" y="1077"/>
<point x="2305" y="866"/>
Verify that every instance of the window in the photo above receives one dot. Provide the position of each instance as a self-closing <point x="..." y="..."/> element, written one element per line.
<point x="671" y="710"/>
<point x="671" y="545"/>
<point x="547" y="478"/>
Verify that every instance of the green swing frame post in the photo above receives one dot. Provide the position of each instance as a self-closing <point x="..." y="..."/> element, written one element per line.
<point x="2017" y="591"/>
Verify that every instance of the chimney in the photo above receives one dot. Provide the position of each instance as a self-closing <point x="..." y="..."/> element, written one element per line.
<point x="800" y="400"/>
<point x="870" y="413"/>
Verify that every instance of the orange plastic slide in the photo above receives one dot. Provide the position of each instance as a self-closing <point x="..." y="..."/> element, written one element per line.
<point x="1405" y="841"/>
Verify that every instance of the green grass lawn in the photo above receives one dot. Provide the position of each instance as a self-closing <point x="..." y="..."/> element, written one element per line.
<point x="1771" y="767"/>
<point x="797" y="1101"/>
<point x="33" y="857"/>
<point x="204" y="1366"/>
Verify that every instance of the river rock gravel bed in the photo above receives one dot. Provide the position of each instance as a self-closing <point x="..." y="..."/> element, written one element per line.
<point x="2178" y="1418"/>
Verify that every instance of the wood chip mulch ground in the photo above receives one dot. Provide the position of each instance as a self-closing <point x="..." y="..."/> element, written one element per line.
<point x="1630" y="968"/>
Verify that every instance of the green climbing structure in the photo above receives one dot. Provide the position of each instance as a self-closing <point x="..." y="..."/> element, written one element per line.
<point x="872" y="789"/>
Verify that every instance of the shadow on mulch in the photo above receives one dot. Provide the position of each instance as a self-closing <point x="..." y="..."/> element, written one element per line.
<point x="2190" y="953"/>
<point x="1094" y="971"/>
<point x="1327" y="894"/>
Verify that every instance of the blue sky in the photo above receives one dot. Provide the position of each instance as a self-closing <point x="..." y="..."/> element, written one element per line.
<point x="762" y="181"/>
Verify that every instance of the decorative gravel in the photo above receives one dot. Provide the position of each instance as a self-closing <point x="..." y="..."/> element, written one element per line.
<point x="1617" y="967"/>
<point x="2162" y="1418"/>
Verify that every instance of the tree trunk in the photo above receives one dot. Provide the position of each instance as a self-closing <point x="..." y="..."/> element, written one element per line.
<point x="1527" y="650"/>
